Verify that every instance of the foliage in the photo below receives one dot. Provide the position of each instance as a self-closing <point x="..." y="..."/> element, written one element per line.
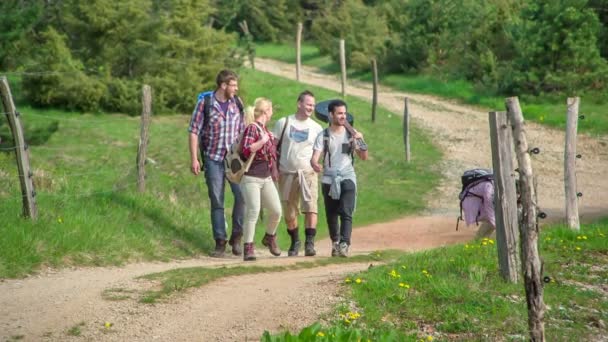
<point x="363" y="29"/>
<point x="96" y="55"/>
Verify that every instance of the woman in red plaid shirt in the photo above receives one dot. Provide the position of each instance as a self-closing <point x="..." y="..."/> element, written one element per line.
<point x="257" y="185"/>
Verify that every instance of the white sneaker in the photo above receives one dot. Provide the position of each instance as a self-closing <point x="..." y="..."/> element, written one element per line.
<point x="343" y="249"/>
<point x="335" y="249"/>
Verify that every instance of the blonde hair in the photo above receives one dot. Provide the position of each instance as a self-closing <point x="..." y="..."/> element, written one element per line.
<point x="260" y="105"/>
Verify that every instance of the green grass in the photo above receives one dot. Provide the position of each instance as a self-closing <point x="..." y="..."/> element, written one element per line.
<point x="455" y="293"/>
<point x="91" y="214"/>
<point x="548" y="110"/>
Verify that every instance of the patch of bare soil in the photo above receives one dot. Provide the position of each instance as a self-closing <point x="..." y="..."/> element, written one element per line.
<point x="58" y="305"/>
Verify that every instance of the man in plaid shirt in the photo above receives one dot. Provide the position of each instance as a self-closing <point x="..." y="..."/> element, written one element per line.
<point x="223" y="127"/>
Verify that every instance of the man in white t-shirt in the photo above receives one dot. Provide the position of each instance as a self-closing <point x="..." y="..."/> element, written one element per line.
<point x="298" y="182"/>
<point x="339" y="182"/>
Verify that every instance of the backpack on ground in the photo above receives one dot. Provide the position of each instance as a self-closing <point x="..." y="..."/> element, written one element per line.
<point x="234" y="166"/>
<point x="469" y="179"/>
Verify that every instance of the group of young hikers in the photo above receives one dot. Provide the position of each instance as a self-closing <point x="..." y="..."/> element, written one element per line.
<point x="288" y="156"/>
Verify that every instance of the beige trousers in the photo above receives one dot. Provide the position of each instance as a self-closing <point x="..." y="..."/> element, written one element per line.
<point x="258" y="193"/>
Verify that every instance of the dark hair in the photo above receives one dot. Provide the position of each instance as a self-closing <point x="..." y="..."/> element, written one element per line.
<point x="336" y="103"/>
<point x="225" y="76"/>
<point x="305" y="93"/>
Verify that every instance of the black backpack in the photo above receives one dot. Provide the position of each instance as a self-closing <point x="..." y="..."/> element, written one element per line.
<point x="469" y="179"/>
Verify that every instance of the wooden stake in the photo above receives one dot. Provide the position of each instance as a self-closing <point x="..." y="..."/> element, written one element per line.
<point x="298" y="51"/>
<point x="22" y="154"/>
<point x="146" y="102"/>
<point x="343" y="67"/>
<point x="570" y="165"/>
<point x="375" y="89"/>
<point x="507" y="234"/>
<point x="406" y="129"/>
<point x="529" y="226"/>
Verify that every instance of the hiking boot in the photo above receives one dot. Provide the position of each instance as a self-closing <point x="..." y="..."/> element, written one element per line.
<point x="220" y="249"/>
<point x="270" y="241"/>
<point x="249" y="254"/>
<point x="309" y="248"/>
<point x="235" y="242"/>
<point x="335" y="249"/>
<point x="343" y="249"/>
<point x="294" y="248"/>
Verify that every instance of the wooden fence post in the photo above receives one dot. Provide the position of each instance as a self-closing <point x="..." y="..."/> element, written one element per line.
<point x="249" y="43"/>
<point x="406" y="129"/>
<point x="298" y="51"/>
<point x="375" y="89"/>
<point x="507" y="233"/>
<point x="570" y="164"/>
<point x="22" y="154"/>
<point x="343" y="67"/>
<point x="529" y="226"/>
<point x="146" y="102"/>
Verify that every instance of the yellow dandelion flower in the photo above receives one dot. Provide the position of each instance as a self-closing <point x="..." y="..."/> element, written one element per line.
<point x="59" y="220"/>
<point x="347" y="280"/>
<point x="485" y="243"/>
<point x="320" y="334"/>
<point x="578" y="248"/>
<point x="346" y="321"/>
<point x="542" y="118"/>
<point x="425" y="271"/>
<point x="358" y="281"/>
<point x="466" y="246"/>
<point x="107" y="325"/>
<point x="579" y="237"/>
<point x="584" y="237"/>
<point x="429" y="338"/>
<point x="491" y="241"/>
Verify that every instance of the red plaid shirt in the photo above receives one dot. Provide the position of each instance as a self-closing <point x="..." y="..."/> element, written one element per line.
<point x="252" y="134"/>
<point x="222" y="130"/>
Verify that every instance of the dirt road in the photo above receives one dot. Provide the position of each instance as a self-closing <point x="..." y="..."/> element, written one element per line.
<point x="47" y="306"/>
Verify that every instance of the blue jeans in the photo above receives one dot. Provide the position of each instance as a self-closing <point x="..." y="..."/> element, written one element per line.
<point x="214" y="177"/>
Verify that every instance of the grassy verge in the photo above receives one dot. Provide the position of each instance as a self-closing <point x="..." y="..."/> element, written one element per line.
<point x="91" y="214"/>
<point x="455" y="293"/>
<point x="177" y="280"/>
<point x="547" y="110"/>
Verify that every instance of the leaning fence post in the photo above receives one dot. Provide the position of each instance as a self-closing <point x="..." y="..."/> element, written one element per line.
<point x="146" y="102"/>
<point x="406" y="129"/>
<point x="375" y="89"/>
<point x="343" y="67"/>
<point x="22" y="154"/>
<point x="570" y="164"/>
<point x="529" y="226"/>
<point x="298" y="51"/>
<point x="507" y="234"/>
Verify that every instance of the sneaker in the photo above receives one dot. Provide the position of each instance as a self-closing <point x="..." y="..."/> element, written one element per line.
<point x="343" y="249"/>
<point x="270" y="241"/>
<point x="294" y="249"/>
<point x="235" y="242"/>
<point x="249" y="254"/>
<point x="309" y="248"/>
<point x="220" y="249"/>
<point x="335" y="249"/>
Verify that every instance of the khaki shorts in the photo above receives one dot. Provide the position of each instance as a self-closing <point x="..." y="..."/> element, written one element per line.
<point x="295" y="197"/>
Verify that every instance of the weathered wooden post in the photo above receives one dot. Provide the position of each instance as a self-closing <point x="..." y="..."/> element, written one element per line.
<point x="249" y="43"/>
<point x="22" y="154"/>
<point x="507" y="233"/>
<point x="343" y="67"/>
<point x="406" y="129"/>
<point x="570" y="164"/>
<point x="529" y="228"/>
<point x="298" y="51"/>
<point x="375" y="89"/>
<point x="146" y="103"/>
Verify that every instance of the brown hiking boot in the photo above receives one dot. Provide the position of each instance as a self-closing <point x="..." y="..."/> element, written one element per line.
<point x="309" y="248"/>
<point x="220" y="249"/>
<point x="249" y="252"/>
<point x="270" y="241"/>
<point x="235" y="242"/>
